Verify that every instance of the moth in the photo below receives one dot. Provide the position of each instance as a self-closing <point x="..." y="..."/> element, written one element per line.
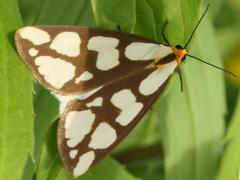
<point x="104" y="80"/>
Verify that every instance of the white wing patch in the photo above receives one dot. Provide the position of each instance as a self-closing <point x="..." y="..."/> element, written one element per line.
<point x="35" y="35"/>
<point x="55" y="71"/>
<point x="103" y="136"/>
<point x="128" y="114"/>
<point x="96" y="102"/>
<point x="67" y="43"/>
<point x="73" y="153"/>
<point x="126" y="101"/>
<point x="78" y="124"/>
<point x="85" y="76"/>
<point x="84" y="163"/>
<point x="108" y="55"/>
<point x="138" y="51"/>
<point x="33" y="52"/>
<point x="151" y="83"/>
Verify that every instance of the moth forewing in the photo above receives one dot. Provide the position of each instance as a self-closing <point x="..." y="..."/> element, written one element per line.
<point x="71" y="60"/>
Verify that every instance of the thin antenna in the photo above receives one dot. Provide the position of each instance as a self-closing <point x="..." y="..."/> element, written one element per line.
<point x="163" y="33"/>
<point x="196" y="27"/>
<point x="212" y="65"/>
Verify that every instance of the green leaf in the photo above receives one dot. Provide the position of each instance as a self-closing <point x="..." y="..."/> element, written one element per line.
<point x="230" y="163"/>
<point x="194" y="120"/>
<point x="56" y="12"/>
<point x="146" y="17"/>
<point x="46" y="109"/>
<point x="108" y="14"/>
<point x="16" y="112"/>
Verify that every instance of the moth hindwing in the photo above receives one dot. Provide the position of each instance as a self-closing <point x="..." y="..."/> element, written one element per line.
<point x="105" y="82"/>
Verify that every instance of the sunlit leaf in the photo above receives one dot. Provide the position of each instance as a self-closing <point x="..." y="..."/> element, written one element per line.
<point x="16" y="112"/>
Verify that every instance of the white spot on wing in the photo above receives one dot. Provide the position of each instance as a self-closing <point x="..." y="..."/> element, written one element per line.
<point x="126" y="101"/>
<point x="151" y="83"/>
<point x="141" y="51"/>
<point x="35" y="35"/>
<point x="128" y="114"/>
<point x="138" y="51"/>
<point x="67" y="43"/>
<point x="103" y="136"/>
<point x="85" y="76"/>
<point x="55" y="71"/>
<point x="84" y="163"/>
<point x="33" y="52"/>
<point x="96" y="102"/>
<point x="107" y="54"/>
<point x="123" y="98"/>
<point x="77" y="125"/>
<point x="73" y="153"/>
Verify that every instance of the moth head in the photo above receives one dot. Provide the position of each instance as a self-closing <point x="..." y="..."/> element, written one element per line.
<point x="180" y="53"/>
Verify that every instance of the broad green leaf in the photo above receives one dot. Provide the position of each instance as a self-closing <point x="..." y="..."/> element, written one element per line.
<point x="56" y="12"/>
<point x="149" y="169"/>
<point x="146" y="17"/>
<point x="194" y="120"/>
<point x="109" y="14"/>
<point x="46" y="109"/>
<point x="16" y="112"/>
<point x="49" y="163"/>
<point x="230" y="162"/>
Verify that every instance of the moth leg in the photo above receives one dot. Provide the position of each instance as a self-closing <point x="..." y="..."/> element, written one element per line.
<point x="178" y="70"/>
<point x="119" y="28"/>
<point x="163" y="33"/>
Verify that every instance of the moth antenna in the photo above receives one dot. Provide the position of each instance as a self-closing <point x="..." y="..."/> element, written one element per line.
<point x="163" y="33"/>
<point x="189" y="40"/>
<point x="226" y="71"/>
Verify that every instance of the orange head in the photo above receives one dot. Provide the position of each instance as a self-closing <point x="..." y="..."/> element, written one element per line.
<point x="180" y="53"/>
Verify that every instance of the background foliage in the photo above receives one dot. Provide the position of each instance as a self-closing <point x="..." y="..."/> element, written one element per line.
<point x="192" y="135"/>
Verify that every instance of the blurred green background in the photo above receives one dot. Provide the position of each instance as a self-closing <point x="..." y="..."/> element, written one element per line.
<point x="194" y="135"/>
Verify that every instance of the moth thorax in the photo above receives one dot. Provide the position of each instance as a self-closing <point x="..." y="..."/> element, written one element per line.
<point x="180" y="53"/>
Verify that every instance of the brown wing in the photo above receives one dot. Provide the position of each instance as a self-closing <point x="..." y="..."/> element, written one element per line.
<point x="89" y="129"/>
<point x="71" y="60"/>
